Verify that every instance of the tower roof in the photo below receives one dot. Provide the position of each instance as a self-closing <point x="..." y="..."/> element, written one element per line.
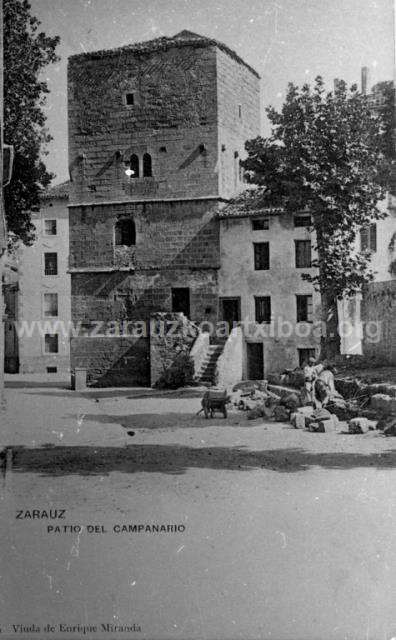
<point x="184" y="38"/>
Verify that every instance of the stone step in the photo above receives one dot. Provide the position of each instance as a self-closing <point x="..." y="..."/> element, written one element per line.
<point x="210" y="361"/>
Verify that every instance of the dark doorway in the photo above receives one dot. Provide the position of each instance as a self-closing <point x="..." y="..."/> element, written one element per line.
<point x="181" y="301"/>
<point x="255" y="361"/>
<point x="231" y="310"/>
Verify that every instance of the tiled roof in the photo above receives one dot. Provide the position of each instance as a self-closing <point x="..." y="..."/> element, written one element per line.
<point x="183" y="39"/>
<point x="249" y="204"/>
<point x="58" y="191"/>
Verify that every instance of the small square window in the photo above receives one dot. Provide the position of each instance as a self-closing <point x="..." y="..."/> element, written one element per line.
<point x="263" y="308"/>
<point x="129" y="99"/>
<point x="302" y="221"/>
<point x="51" y="343"/>
<point x="52" y="369"/>
<point x="51" y="264"/>
<point x="260" y="224"/>
<point x="50" y="305"/>
<point x="304" y="355"/>
<point x="50" y="227"/>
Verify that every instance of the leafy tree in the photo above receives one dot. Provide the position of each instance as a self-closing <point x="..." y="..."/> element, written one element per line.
<point x="325" y="155"/>
<point x="26" y="52"/>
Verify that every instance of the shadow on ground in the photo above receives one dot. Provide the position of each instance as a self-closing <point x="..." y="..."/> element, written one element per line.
<point x="169" y="421"/>
<point x="174" y="459"/>
<point x="128" y="394"/>
<point x="31" y="384"/>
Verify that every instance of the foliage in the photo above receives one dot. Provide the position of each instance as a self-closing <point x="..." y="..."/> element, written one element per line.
<point x="179" y="374"/>
<point x="325" y="155"/>
<point x="27" y="51"/>
<point x="385" y="109"/>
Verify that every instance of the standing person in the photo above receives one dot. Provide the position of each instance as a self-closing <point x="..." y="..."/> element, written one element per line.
<point x="310" y="375"/>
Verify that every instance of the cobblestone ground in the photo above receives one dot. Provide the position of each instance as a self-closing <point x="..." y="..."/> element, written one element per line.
<point x="283" y="534"/>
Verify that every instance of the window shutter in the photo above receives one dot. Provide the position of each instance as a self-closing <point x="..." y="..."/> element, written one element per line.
<point x="364" y="239"/>
<point x="373" y="237"/>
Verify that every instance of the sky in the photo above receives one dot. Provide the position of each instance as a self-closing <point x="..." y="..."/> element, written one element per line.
<point x="284" y="40"/>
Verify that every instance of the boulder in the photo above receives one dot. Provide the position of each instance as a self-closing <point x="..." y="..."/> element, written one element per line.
<point x="298" y="420"/>
<point x="291" y="401"/>
<point x="358" y="425"/>
<point x="281" y="414"/>
<point x="384" y="403"/>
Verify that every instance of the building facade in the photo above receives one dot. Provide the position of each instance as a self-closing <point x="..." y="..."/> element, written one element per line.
<point x="43" y="302"/>
<point x="263" y="255"/>
<point x="156" y="135"/>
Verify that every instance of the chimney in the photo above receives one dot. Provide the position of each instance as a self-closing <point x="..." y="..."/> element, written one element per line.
<point x="336" y="82"/>
<point x="365" y="80"/>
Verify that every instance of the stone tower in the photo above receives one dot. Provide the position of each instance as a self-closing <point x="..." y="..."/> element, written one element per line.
<point x="156" y="134"/>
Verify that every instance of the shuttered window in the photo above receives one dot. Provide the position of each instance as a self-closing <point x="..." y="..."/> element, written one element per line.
<point x="260" y="224"/>
<point x="368" y="238"/>
<point x="303" y="253"/>
<point x="304" y="308"/>
<point x="302" y="221"/>
<point x="261" y="256"/>
<point x="51" y="343"/>
<point x="51" y="264"/>
<point x="50" y="305"/>
<point x="263" y="308"/>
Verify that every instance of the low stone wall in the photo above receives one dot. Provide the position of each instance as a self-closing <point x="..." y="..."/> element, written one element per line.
<point x="112" y="362"/>
<point x="34" y="364"/>
<point x="230" y="363"/>
<point x="199" y="351"/>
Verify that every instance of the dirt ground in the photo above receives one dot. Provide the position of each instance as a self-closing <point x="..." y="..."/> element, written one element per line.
<point x="288" y="534"/>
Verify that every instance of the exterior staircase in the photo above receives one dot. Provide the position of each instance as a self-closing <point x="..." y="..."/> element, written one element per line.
<point x="207" y="375"/>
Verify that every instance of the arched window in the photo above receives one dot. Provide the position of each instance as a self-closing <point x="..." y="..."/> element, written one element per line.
<point x="125" y="233"/>
<point x="134" y="165"/>
<point x="147" y="171"/>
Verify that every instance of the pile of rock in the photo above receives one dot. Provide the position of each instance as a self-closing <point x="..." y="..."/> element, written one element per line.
<point x="315" y="420"/>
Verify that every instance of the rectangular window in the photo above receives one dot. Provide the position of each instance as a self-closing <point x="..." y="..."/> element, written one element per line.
<point x="304" y="355"/>
<point x="51" y="343"/>
<point x="51" y="264"/>
<point x="302" y="221"/>
<point x="304" y="309"/>
<point x="52" y="369"/>
<point x="368" y="238"/>
<point x="50" y="227"/>
<point x="303" y="253"/>
<point x="260" y="224"/>
<point x="263" y="308"/>
<point x="129" y="99"/>
<point x="261" y="256"/>
<point x="50" y="305"/>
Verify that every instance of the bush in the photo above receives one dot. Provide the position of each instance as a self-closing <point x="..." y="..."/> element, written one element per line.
<point x="179" y="374"/>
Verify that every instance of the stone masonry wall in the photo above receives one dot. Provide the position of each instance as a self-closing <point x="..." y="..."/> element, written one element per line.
<point x="168" y="235"/>
<point x="238" y="96"/>
<point x="378" y="312"/>
<point x="112" y="361"/>
<point x="174" y="112"/>
<point x="118" y="296"/>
